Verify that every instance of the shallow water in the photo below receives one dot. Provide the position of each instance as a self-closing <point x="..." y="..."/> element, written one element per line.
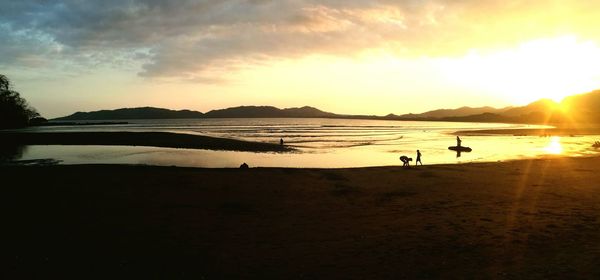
<point x="320" y="143"/>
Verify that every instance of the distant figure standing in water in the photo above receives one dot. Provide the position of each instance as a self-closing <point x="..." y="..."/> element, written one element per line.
<point x="281" y="141"/>
<point x="418" y="158"/>
<point x="458" y="141"/>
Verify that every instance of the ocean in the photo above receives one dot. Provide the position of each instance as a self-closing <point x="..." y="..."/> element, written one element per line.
<point x="320" y="143"/>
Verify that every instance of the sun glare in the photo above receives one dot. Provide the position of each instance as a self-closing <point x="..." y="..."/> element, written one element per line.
<point x="554" y="147"/>
<point x="546" y="68"/>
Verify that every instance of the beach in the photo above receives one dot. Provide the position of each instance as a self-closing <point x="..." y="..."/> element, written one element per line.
<point x="528" y="219"/>
<point x="262" y="140"/>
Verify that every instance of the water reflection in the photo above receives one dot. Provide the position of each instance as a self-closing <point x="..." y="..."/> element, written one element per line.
<point x="485" y="149"/>
<point x="18" y="155"/>
<point x="11" y="152"/>
<point x="554" y="147"/>
<point x="324" y="143"/>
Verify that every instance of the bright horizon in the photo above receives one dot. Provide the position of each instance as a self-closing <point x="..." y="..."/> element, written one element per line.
<point x="347" y="57"/>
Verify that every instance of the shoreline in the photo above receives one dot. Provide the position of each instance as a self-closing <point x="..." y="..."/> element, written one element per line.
<point x="397" y="165"/>
<point x="525" y="219"/>
<point x="47" y="162"/>
<point x="151" y="139"/>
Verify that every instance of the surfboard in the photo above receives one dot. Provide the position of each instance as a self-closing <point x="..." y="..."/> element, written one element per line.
<point x="459" y="148"/>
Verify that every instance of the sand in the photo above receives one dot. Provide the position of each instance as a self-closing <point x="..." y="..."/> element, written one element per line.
<point x="154" y="139"/>
<point x="530" y="219"/>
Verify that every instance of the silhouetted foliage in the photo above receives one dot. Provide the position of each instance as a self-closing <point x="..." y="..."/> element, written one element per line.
<point x="14" y="110"/>
<point x="38" y="121"/>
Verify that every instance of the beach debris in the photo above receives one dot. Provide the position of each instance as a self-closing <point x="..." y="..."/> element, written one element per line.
<point x="405" y="160"/>
<point x="244" y="166"/>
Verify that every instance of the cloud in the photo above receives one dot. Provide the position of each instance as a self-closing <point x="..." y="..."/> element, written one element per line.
<point x="202" y="40"/>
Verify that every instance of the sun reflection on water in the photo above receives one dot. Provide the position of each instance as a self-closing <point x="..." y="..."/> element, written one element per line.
<point x="554" y="147"/>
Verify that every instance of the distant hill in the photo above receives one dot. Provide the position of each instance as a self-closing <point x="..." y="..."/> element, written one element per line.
<point x="269" y="112"/>
<point x="132" y="113"/>
<point x="484" y="117"/>
<point x="459" y="112"/>
<point x="582" y="108"/>
<point x="236" y="112"/>
<point x="576" y="109"/>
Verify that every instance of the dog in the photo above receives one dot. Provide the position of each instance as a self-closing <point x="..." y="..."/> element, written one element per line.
<point x="405" y="160"/>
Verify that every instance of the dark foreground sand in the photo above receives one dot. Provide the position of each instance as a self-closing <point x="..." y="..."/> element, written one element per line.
<point x="536" y="219"/>
<point x="154" y="139"/>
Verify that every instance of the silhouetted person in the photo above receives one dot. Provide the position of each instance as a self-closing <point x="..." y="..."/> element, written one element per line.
<point x="405" y="160"/>
<point x="458" y="141"/>
<point x="281" y="141"/>
<point x="418" y="158"/>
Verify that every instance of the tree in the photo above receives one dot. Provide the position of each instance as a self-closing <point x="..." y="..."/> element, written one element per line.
<point x="14" y="110"/>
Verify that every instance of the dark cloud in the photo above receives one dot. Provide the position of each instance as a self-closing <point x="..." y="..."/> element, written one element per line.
<point x="199" y="40"/>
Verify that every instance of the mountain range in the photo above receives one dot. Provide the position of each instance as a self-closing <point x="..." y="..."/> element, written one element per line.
<point x="583" y="108"/>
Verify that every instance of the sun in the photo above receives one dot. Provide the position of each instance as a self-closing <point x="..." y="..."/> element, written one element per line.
<point x="544" y="68"/>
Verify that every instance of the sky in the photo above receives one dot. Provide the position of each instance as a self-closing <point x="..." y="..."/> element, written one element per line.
<point x="342" y="56"/>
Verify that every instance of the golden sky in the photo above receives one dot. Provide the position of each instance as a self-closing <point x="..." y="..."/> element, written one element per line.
<point x="353" y="56"/>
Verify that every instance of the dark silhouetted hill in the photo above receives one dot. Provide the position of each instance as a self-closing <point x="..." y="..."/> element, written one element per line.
<point x="582" y="108"/>
<point x="459" y="112"/>
<point x="484" y="117"/>
<point x="269" y="112"/>
<point x="236" y="112"/>
<point x="132" y="113"/>
<point x="576" y="109"/>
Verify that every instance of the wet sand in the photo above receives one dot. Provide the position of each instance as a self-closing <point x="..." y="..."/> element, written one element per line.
<point x="154" y="139"/>
<point x="531" y="219"/>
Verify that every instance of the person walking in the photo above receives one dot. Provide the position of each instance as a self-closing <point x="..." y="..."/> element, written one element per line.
<point x="418" y="158"/>
<point x="458" y="141"/>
